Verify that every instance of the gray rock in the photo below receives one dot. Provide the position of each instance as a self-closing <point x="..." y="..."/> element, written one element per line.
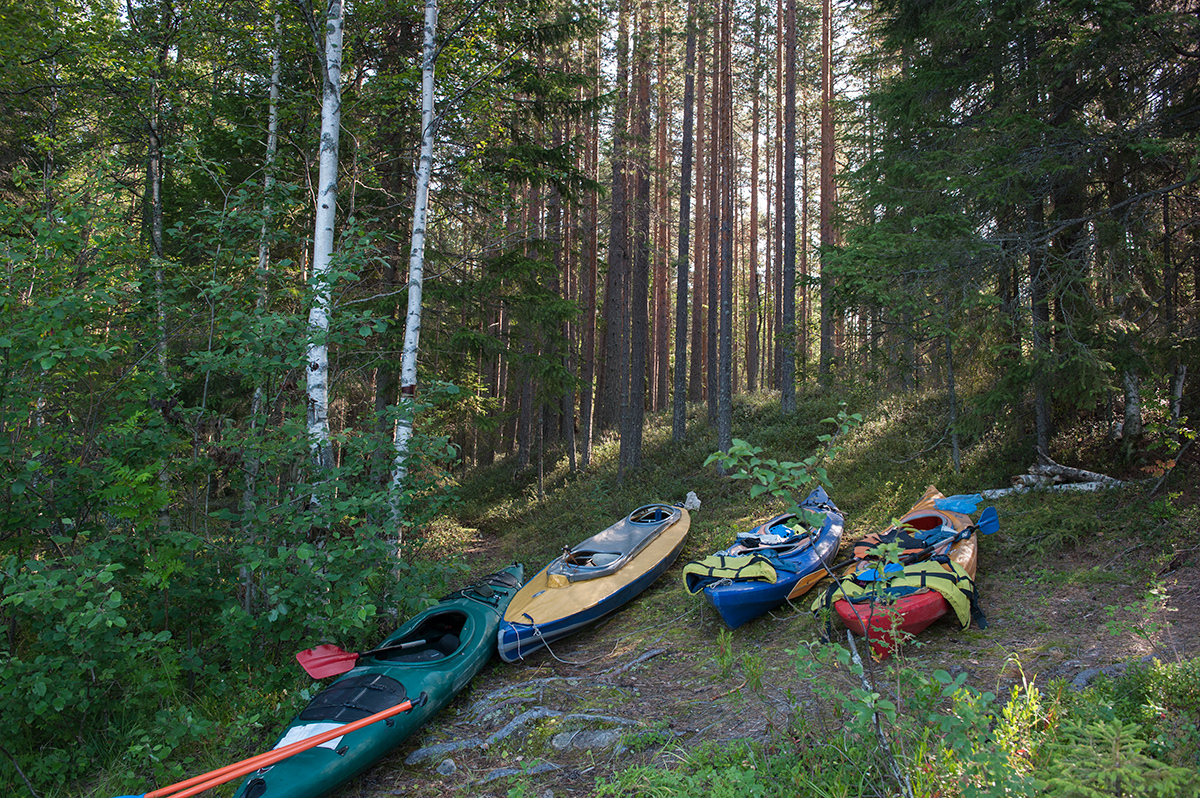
<point x="1086" y="676"/>
<point x="447" y="768"/>
<point x="529" y="716"/>
<point x="500" y="773"/>
<point x="562" y="740"/>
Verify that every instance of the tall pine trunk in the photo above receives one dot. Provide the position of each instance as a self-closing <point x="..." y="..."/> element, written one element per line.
<point x="724" y="101"/>
<point x="828" y="198"/>
<point x="588" y="281"/>
<point x="679" y="416"/>
<point x="777" y="338"/>
<point x="805" y="313"/>
<point x="753" y="311"/>
<point x="615" y="378"/>
<point x="712" y="327"/>
<point x="634" y="412"/>
<point x="1177" y="367"/>
<point x="787" y="329"/>
<point x="662" y="302"/>
<point x="699" y="279"/>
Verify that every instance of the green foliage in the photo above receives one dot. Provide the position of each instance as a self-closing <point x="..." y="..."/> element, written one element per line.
<point x="721" y="772"/>
<point x="84" y="654"/>
<point x="1107" y="758"/>
<point x="163" y="547"/>
<point x="1163" y="699"/>
<point x="946" y="737"/>
<point x="1039" y="527"/>
<point x="726" y="656"/>
<point x="1167" y="436"/>
<point x="788" y="481"/>
<point x="972" y="742"/>
<point x="1144" y="623"/>
<point x="658" y="735"/>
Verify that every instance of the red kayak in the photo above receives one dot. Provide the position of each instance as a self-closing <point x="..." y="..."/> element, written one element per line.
<point x="892" y="624"/>
<point x="889" y="620"/>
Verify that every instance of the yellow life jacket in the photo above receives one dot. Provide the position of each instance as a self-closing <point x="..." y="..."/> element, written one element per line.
<point x="715" y="567"/>
<point x="955" y="585"/>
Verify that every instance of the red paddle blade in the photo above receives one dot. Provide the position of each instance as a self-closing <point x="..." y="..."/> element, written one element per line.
<point x="326" y="660"/>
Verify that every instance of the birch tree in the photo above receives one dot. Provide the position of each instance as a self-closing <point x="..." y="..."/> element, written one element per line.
<point x="317" y="355"/>
<point x="416" y="265"/>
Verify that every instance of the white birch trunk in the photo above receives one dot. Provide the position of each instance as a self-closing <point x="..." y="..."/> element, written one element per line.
<point x="416" y="264"/>
<point x="1177" y="382"/>
<point x="318" y="316"/>
<point x="264" y="245"/>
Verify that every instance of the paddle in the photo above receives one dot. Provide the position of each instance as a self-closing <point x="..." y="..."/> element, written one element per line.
<point x="214" y="778"/>
<point x="329" y="660"/>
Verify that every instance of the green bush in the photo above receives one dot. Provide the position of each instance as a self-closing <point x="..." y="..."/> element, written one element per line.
<point x="129" y="639"/>
<point x="1110" y="758"/>
<point x="1163" y="699"/>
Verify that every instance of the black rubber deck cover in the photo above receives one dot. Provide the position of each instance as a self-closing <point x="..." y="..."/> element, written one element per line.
<point x="354" y="698"/>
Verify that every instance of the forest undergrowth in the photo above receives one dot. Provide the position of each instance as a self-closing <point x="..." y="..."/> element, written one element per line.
<point x="1071" y="583"/>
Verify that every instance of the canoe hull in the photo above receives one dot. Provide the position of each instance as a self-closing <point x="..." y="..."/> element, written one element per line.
<point x="740" y="602"/>
<point x="377" y="682"/>
<point x="548" y="609"/>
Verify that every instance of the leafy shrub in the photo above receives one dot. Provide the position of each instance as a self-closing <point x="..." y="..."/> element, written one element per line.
<point x="128" y="638"/>
<point x="1163" y="699"/>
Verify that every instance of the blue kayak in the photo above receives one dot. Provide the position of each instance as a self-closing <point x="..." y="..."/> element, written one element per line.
<point x="769" y="564"/>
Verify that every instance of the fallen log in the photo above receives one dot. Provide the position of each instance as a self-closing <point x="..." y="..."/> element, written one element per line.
<point x="996" y="493"/>
<point x="1049" y="475"/>
<point x="1068" y="474"/>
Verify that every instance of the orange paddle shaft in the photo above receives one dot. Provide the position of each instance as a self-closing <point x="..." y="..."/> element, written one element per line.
<point x="206" y="781"/>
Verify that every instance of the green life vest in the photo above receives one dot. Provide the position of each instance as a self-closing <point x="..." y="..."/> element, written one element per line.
<point x="715" y="567"/>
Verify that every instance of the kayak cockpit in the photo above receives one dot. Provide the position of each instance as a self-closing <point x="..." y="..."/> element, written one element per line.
<point x="609" y="551"/>
<point x="924" y="523"/>
<point x="437" y="636"/>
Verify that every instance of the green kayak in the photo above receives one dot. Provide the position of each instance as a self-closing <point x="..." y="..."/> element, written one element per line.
<point x="436" y="653"/>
